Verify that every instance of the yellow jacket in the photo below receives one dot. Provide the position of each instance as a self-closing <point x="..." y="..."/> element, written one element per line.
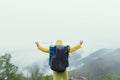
<point x="59" y="42"/>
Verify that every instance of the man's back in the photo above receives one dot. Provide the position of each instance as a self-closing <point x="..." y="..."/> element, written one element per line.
<point x="59" y="59"/>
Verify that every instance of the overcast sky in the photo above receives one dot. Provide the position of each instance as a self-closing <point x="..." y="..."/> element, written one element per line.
<point x="22" y="22"/>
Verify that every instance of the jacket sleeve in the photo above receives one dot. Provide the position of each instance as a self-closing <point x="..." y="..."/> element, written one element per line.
<point x="74" y="48"/>
<point x="43" y="49"/>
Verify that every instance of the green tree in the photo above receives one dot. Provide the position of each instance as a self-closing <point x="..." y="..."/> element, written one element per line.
<point x="89" y="76"/>
<point x="7" y="69"/>
<point x="20" y="76"/>
<point x="36" y="75"/>
<point x="116" y="78"/>
<point x="47" y="77"/>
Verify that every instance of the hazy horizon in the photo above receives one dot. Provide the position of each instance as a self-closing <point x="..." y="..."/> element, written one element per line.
<point x="26" y="21"/>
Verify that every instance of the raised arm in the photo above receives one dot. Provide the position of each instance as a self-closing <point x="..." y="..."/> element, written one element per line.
<point x="41" y="48"/>
<point x="76" y="47"/>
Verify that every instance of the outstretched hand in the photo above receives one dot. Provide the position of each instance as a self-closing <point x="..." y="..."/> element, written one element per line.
<point x="81" y="42"/>
<point x="37" y="43"/>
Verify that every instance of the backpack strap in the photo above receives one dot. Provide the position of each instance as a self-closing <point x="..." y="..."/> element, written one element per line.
<point x="52" y="49"/>
<point x="68" y="48"/>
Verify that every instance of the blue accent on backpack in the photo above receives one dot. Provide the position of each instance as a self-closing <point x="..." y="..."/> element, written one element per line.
<point x="52" y="49"/>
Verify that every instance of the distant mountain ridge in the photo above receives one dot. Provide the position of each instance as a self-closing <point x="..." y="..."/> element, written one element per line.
<point x="101" y="62"/>
<point x="44" y="67"/>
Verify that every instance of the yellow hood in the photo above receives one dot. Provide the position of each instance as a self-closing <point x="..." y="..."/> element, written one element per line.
<point x="58" y="42"/>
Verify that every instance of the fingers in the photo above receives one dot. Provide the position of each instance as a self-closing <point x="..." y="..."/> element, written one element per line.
<point x="81" y="42"/>
<point x="37" y="43"/>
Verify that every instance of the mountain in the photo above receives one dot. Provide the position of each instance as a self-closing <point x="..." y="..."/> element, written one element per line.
<point x="99" y="63"/>
<point x="41" y="65"/>
<point x="77" y="61"/>
<point x="44" y="67"/>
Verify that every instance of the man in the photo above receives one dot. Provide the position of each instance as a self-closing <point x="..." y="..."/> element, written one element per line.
<point x="59" y="75"/>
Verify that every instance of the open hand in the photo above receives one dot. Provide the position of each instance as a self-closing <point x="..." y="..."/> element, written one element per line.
<point x="81" y="42"/>
<point x="37" y="43"/>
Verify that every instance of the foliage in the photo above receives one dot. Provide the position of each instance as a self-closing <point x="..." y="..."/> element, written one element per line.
<point x="47" y="77"/>
<point x="7" y="69"/>
<point x="36" y="75"/>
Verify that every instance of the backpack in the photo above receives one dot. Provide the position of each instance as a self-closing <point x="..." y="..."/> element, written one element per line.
<point x="58" y="60"/>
